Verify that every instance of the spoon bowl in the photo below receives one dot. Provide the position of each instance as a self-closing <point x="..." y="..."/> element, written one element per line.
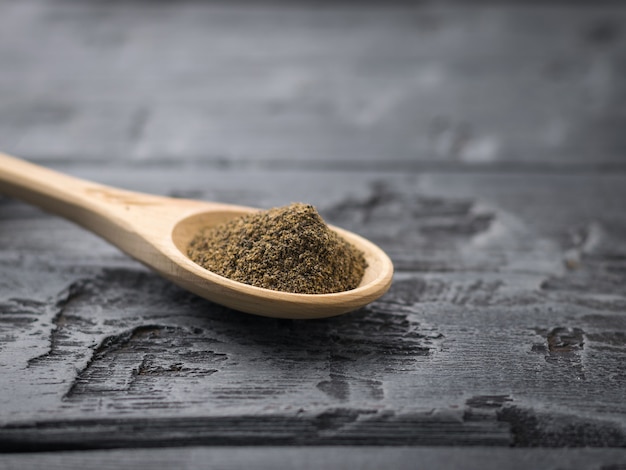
<point x="251" y="299"/>
<point x="157" y="230"/>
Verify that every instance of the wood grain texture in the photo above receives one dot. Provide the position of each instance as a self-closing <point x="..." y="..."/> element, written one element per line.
<point x="484" y="338"/>
<point x="480" y="144"/>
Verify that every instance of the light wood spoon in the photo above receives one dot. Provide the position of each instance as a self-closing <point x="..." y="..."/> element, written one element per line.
<point x="156" y="231"/>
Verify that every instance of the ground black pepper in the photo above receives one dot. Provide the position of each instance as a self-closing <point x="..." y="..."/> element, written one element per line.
<point x="287" y="248"/>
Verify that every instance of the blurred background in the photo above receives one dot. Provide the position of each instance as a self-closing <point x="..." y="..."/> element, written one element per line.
<point x="339" y="85"/>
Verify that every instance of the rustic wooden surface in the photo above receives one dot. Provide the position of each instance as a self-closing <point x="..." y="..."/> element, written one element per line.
<point x="482" y="146"/>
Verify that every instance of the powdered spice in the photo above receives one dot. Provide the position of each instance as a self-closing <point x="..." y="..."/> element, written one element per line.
<point x="287" y="248"/>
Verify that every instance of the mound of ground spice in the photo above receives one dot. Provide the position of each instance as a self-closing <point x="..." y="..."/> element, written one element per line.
<point x="287" y="248"/>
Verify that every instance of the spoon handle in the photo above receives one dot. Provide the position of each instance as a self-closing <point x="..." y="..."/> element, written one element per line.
<point x="114" y="214"/>
<point x="54" y="192"/>
<point x="126" y="219"/>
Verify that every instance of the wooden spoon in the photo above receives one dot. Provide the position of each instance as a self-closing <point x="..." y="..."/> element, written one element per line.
<point x="156" y="231"/>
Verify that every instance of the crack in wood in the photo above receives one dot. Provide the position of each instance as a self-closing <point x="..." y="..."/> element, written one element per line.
<point x="337" y="387"/>
<point x="484" y="408"/>
<point x="562" y="348"/>
<point x="565" y="340"/>
<point x="596" y="262"/>
<point x="535" y="429"/>
<point x="128" y="362"/>
<point x="58" y="335"/>
<point x="108" y="354"/>
<point x="337" y="419"/>
<point x="435" y="222"/>
<point x="488" y="401"/>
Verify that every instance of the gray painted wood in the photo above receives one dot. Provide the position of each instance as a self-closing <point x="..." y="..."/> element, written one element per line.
<point x="486" y="336"/>
<point x="480" y="145"/>
<point x="321" y="457"/>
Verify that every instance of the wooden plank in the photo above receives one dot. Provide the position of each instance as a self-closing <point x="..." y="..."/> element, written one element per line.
<point x="302" y="458"/>
<point x="486" y="337"/>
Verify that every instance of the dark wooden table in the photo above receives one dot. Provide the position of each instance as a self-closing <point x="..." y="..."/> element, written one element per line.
<point x="481" y="144"/>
